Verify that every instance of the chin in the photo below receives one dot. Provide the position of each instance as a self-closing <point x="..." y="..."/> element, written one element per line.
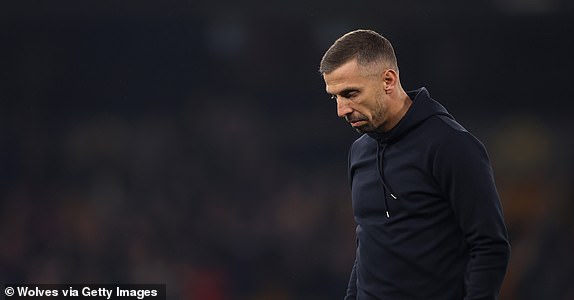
<point x="363" y="130"/>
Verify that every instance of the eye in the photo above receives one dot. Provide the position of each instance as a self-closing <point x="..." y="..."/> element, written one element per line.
<point x="352" y="95"/>
<point x="334" y="97"/>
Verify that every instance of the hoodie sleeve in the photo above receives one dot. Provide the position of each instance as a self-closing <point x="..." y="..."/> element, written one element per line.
<point x="352" y="287"/>
<point x="463" y="171"/>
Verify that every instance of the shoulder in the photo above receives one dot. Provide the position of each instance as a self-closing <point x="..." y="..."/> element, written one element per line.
<point x="445" y="129"/>
<point x="362" y="147"/>
<point x="362" y="143"/>
<point x="453" y="142"/>
<point x="444" y="125"/>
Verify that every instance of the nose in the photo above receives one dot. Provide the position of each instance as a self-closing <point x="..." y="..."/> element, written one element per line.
<point x="343" y="108"/>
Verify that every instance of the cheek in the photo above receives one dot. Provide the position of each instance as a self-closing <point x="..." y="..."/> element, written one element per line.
<point x="379" y="110"/>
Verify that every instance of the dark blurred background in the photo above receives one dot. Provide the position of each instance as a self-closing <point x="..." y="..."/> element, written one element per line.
<point x="192" y="143"/>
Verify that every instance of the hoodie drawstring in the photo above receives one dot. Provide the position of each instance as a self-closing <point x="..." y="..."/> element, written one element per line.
<point x="388" y="191"/>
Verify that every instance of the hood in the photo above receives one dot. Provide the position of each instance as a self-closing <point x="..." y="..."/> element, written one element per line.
<point x="423" y="107"/>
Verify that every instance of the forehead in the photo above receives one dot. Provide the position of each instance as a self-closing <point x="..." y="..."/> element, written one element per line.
<point x="349" y="73"/>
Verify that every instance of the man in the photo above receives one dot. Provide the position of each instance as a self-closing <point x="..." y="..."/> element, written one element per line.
<point x="429" y="220"/>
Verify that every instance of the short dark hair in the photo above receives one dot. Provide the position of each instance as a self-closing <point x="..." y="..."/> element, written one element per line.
<point x="367" y="46"/>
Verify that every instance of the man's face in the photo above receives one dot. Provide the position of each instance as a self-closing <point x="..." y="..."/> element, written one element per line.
<point x="360" y="95"/>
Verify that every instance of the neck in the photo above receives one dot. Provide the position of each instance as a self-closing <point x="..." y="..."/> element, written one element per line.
<point x="398" y="108"/>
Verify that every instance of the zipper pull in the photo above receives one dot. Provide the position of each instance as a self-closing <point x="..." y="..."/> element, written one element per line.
<point x="388" y="216"/>
<point x="394" y="197"/>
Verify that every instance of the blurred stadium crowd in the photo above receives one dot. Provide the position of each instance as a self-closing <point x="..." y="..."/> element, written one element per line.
<point x="203" y="153"/>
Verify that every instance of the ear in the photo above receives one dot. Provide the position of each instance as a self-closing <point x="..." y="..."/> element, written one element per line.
<point x="391" y="80"/>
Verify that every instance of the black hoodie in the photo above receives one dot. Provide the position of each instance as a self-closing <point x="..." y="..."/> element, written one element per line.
<point x="429" y="220"/>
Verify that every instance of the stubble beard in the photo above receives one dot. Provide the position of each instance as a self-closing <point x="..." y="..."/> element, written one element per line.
<point x="364" y="129"/>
